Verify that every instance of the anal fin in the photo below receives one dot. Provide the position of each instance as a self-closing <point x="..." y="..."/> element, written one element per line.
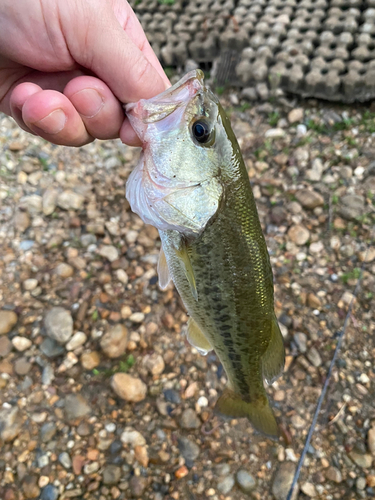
<point x="274" y="358"/>
<point x="163" y="271"/>
<point x="258" y="412"/>
<point x="197" y="338"/>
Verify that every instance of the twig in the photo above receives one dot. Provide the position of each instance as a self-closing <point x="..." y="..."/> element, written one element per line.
<point x="337" y="416"/>
<point x="325" y="387"/>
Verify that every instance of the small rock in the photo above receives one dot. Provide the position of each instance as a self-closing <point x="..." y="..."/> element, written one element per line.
<point x="51" y="348"/>
<point x="10" y="424"/>
<point x="84" y="429"/>
<point x="154" y="363"/>
<point x="137" y="485"/>
<point x="300" y="340"/>
<point x="245" y="481"/>
<point x="309" y="198"/>
<point x="32" y="203"/>
<point x="78" y="463"/>
<point x="172" y="396"/>
<point x="299" y="234"/>
<point x="91" y="468"/>
<point x="114" y="341"/>
<point x="49" y="200"/>
<point x="333" y="474"/>
<point x="137" y="317"/>
<point x="76" y="406"/>
<point x="313" y="301"/>
<point x="21" y="343"/>
<point x="8" y="319"/>
<point x="309" y="490"/>
<point x="181" y="472"/>
<point x="22" y="366"/>
<point x="362" y="460"/>
<point x="274" y="133"/>
<point x="111" y="474"/>
<point x="59" y="324"/>
<point x="65" y="460"/>
<point x="21" y="221"/>
<point x="296" y="115"/>
<point x="48" y="375"/>
<point x="132" y="437"/>
<point x="5" y="346"/>
<point x="50" y="492"/>
<point x="188" y="449"/>
<point x="78" y="339"/>
<point x="352" y="206"/>
<point x="64" y="270"/>
<point x="225" y="485"/>
<point x="315" y="173"/>
<point x="47" y="432"/>
<point x="30" y="486"/>
<point x="69" y="200"/>
<point x="109" y="252"/>
<point x="90" y="360"/>
<point x="122" y="276"/>
<point x="361" y="483"/>
<point x="314" y="357"/>
<point x="283" y="481"/>
<point x="189" y="419"/>
<point x="30" y="284"/>
<point x="141" y="455"/>
<point x="371" y="440"/>
<point x="129" y="388"/>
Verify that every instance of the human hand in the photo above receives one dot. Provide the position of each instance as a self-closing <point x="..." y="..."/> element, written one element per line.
<point x="67" y="65"/>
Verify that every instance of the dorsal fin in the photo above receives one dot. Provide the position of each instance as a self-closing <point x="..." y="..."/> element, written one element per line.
<point x="163" y="271"/>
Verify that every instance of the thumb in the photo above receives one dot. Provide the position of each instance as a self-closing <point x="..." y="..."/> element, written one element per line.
<point x="115" y="48"/>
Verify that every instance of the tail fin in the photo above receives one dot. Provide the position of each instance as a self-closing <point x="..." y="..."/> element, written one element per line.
<point x="258" y="412"/>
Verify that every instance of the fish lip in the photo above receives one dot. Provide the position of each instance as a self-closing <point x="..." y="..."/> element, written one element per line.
<point x="192" y="81"/>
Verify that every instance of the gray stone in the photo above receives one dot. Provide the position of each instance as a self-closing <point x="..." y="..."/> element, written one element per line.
<point x="10" y="423"/>
<point x="47" y="432"/>
<point x="245" y="481"/>
<point x="76" y="406"/>
<point x="363" y="460"/>
<point x="188" y="449"/>
<point x="225" y="485"/>
<point x="309" y="198"/>
<point x="352" y="206"/>
<point x="59" y="325"/>
<point x="111" y="474"/>
<point x="300" y="340"/>
<point x="51" y="348"/>
<point x="314" y="357"/>
<point x="65" y="460"/>
<point x="282" y="481"/>
<point x="189" y="419"/>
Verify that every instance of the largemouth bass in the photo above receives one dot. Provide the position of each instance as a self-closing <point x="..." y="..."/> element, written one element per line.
<point x="191" y="184"/>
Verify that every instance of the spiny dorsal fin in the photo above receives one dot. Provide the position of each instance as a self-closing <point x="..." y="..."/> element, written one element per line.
<point x="197" y="338"/>
<point x="163" y="271"/>
<point x="183" y="255"/>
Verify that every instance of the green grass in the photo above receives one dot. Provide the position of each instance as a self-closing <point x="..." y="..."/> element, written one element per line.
<point x="166" y="2"/>
<point x="123" y="367"/>
<point x="273" y="118"/>
<point x="350" y="275"/>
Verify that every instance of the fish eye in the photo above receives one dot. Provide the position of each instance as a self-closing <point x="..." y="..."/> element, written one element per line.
<point x="201" y="131"/>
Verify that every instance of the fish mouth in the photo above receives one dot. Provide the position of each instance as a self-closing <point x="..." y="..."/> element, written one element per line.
<point x="157" y="108"/>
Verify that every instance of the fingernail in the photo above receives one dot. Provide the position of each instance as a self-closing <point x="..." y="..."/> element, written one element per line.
<point x="88" y="102"/>
<point x="52" y="123"/>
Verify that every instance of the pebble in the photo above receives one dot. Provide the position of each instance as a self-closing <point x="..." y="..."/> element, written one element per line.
<point x="129" y="388"/>
<point x="314" y="357"/>
<point x="309" y="490"/>
<point x="32" y="203"/>
<point x="245" y="481"/>
<point x="50" y="492"/>
<point x="51" y="348"/>
<point x="122" y="276"/>
<point x="154" y="363"/>
<point x="283" y="481"/>
<point x="59" y="325"/>
<point x="30" y="486"/>
<point x="172" y="396"/>
<point x="22" y="366"/>
<point x="30" y="284"/>
<point x="189" y="419"/>
<point x="316" y="171"/>
<point x="188" y="449"/>
<point x="64" y="270"/>
<point x="109" y="252"/>
<point x="113" y="343"/>
<point x="300" y="340"/>
<point x="132" y="437"/>
<point x="225" y="485"/>
<point x="65" y="460"/>
<point x="202" y="402"/>
<point x="137" y="317"/>
<point x="21" y="221"/>
<point x="8" y="319"/>
<point x="21" y="343"/>
<point x="333" y="474"/>
<point x="10" y="423"/>
<point x="141" y="455"/>
<point x="49" y="200"/>
<point x="48" y="375"/>
<point x="78" y="339"/>
<point x="137" y="485"/>
<point x="352" y="206"/>
<point x="76" y="406"/>
<point x="91" y="468"/>
<point x="47" y="432"/>
<point x="296" y="115"/>
<point x="363" y="460"/>
<point x="371" y="440"/>
<point x="299" y="234"/>
<point x="5" y="346"/>
<point x="90" y="360"/>
<point x="274" y="133"/>
<point x="69" y="200"/>
<point x="309" y="198"/>
<point x="111" y="475"/>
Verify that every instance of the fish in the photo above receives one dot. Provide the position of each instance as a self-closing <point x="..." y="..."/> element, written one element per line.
<point x="191" y="183"/>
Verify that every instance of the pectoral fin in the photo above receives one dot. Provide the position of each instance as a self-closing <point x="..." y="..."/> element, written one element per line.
<point x="183" y="255"/>
<point x="274" y="358"/>
<point x="197" y="338"/>
<point x="163" y="271"/>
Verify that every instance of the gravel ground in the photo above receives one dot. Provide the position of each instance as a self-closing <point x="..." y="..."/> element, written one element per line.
<point x="102" y="397"/>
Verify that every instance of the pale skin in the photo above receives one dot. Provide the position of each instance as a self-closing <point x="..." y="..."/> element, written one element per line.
<point x="67" y="66"/>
